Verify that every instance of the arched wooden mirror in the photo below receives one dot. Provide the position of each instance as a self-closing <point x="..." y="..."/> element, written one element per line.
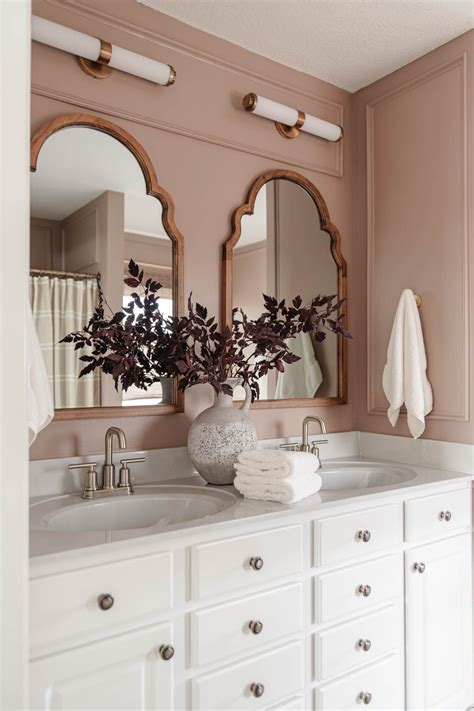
<point x="283" y="244"/>
<point x="95" y="204"/>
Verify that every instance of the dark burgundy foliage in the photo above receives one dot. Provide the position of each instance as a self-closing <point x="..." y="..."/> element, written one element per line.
<point x="138" y="345"/>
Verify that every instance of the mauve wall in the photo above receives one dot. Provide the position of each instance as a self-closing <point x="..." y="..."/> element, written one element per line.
<point x="206" y="151"/>
<point x="414" y="203"/>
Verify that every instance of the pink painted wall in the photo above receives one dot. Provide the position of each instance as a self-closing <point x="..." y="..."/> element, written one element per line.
<point x="207" y="151"/>
<point x="414" y="211"/>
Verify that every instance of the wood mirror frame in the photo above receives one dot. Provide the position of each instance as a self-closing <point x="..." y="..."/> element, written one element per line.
<point x="326" y="225"/>
<point x="154" y="190"/>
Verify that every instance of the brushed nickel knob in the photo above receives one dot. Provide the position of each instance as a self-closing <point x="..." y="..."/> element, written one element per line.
<point x="365" y="697"/>
<point x="166" y="652"/>
<point x="419" y="567"/>
<point x="364" y="590"/>
<point x="256" y="562"/>
<point x="105" y="602"/>
<point x="445" y="515"/>
<point x="256" y="626"/>
<point x="257" y="690"/>
<point x="365" y="644"/>
<point x="364" y="536"/>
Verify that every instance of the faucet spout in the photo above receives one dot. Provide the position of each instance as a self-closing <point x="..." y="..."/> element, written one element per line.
<point x="311" y="418"/>
<point x="108" y="470"/>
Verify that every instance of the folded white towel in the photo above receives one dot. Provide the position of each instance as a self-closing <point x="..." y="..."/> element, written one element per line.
<point x="285" y="491"/>
<point x="279" y="462"/>
<point x="39" y="401"/>
<point x="404" y="376"/>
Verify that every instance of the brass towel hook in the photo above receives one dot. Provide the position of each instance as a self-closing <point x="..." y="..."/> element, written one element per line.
<point x="418" y="300"/>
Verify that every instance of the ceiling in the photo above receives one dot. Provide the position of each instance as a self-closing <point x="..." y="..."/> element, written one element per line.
<point x="349" y="43"/>
<point x="76" y="165"/>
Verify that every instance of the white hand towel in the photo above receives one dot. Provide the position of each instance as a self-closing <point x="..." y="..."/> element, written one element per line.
<point x="302" y="378"/>
<point x="404" y="376"/>
<point x="39" y="401"/>
<point x="285" y="491"/>
<point x="279" y="461"/>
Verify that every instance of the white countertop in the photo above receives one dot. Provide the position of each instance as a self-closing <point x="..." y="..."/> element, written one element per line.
<point x="56" y="546"/>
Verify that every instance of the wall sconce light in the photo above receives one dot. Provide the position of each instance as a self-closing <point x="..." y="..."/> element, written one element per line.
<point x="97" y="57"/>
<point x="289" y="122"/>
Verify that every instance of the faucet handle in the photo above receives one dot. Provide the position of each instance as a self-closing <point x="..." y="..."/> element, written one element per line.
<point x="124" y="473"/>
<point x="315" y="446"/>
<point x="293" y="447"/>
<point x="91" y="478"/>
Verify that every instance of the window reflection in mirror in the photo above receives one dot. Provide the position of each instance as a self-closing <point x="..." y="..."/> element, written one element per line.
<point x="90" y="214"/>
<point x="282" y="251"/>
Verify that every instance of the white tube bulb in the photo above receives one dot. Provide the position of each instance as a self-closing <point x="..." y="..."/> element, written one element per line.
<point x="321" y="128"/>
<point x="275" y="112"/>
<point x="140" y="66"/>
<point x="65" y="38"/>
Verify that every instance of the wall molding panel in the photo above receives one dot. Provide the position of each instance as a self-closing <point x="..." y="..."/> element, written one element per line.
<point x="454" y="71"/>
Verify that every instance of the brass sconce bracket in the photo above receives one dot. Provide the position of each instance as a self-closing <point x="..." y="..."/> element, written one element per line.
<point x="291" y="131"/>
<point x="100" y="68"/>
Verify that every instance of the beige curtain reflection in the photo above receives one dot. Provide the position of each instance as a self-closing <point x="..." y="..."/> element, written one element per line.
<point x="62" y="305"/>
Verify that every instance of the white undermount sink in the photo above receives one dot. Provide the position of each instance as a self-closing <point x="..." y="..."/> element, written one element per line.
<point x="157" y="507"/>
<point x="362" y="475"/>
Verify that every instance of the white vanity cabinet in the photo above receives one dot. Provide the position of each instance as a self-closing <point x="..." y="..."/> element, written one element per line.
<point x="336" y="608"/>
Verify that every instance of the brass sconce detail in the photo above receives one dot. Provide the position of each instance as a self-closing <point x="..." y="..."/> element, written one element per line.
<point x="282" y="115"/>
<point x="100" y="68"/>
<point x="291" y="131"/>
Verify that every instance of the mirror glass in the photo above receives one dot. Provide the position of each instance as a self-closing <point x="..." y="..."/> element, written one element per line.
<point x="283" y="252"/>
<point x="90" y="215"/>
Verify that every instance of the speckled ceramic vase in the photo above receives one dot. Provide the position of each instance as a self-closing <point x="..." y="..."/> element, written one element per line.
<point x="218" y="435"/>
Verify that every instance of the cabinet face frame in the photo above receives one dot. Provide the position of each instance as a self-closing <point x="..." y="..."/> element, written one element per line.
<point x="154" y="189"/>
<point x="326" y="225"/>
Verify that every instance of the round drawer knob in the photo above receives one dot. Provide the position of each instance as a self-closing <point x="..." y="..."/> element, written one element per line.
<point x="167" y="652"/>
<point x="256" y="562"/>
<point x="419" y="567"/>
<point x="365" y="697"/>
<point x="445" y="515"/>
<point x="364" y="536"/>
<point x="365" y="644"/>
<point x="256" y="626"/>
<point x="364" y="590"/>
<point x="257" y="690"/>
<point x="105" y="602"/>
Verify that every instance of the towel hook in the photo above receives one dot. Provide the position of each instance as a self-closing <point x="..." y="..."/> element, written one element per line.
<point x="418" y="300"/>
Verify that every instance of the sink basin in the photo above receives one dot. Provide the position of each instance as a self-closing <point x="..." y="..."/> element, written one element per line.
<point x="157" y="507"/>
<point x="362" y="475"/>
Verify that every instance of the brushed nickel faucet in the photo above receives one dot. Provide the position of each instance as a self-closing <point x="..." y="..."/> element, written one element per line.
<point x="305" y="446"/>
<point x="109" y="486"/>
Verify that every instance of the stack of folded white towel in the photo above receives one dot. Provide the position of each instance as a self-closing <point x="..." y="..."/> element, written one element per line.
<point x="277" y="475"/>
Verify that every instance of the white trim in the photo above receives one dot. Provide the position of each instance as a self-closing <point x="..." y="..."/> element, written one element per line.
<point x="14" y="258"/>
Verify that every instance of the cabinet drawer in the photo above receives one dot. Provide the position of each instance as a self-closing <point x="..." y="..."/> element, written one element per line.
<point x="279" y="672"/>
<point x="341" y="592"/>
<point x="357" y="533"/>
<point x="226" y="566"/>
<point x="438" y="515"/>
<point x="224" y="630"/>
<point x="341" y="648"/>
<point x="382" y="683"/>
<point x="65" y="608"/>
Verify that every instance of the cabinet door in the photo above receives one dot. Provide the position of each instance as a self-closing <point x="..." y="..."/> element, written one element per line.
<point x="123" y="672"/>
<point x="438" y="619"/>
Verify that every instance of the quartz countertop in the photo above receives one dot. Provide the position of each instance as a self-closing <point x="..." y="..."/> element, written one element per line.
<point x="46" y="545"/>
